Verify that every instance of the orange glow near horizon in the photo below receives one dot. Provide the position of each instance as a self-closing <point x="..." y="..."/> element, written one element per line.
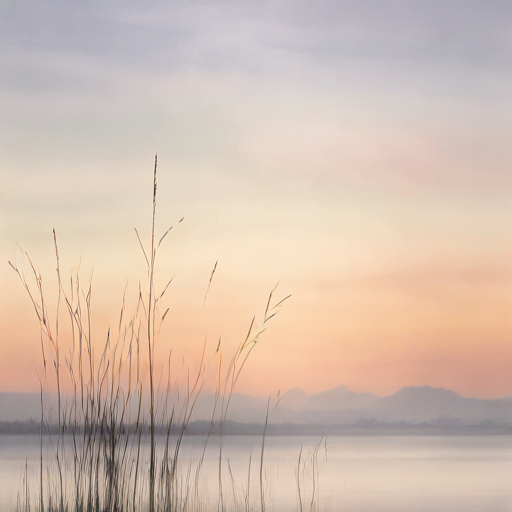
<point x="360" y="157"/>
<point x="444" y="326"/>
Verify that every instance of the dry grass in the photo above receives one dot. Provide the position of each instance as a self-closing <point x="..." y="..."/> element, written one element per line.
<point x="104" y="453"/>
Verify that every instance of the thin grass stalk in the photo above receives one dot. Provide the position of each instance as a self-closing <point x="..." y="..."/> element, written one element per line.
<point x="298" y="479"/>
<point x="247" y="495"/>
<point x="41" y="492"/>
<point x="150" y="353"/>
<point x="262" y="495"/>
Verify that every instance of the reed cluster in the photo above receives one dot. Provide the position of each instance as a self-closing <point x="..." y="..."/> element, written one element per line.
<point x="116" y="445"/>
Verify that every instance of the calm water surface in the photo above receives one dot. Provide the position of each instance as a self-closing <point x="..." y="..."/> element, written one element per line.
<point x="349" y="473"/>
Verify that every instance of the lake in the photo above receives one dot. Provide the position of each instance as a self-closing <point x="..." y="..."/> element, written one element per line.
<point x="349" y="473"/>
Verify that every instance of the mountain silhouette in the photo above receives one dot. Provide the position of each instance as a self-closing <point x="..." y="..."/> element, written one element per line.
<point x="341" y="405"/>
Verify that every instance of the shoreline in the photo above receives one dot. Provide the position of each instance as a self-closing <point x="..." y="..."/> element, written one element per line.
<point x="231" y="428"/>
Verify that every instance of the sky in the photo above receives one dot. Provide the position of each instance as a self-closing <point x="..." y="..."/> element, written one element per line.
<point x="355" y="152"/>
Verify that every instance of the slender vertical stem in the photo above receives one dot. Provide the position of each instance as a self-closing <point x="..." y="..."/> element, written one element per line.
<point x="262" y="494"/>
<point x="298" y="479"/>
<point x="60" y="439"/>
<point x="150" y="351"/>
<point x="41" y="452"/>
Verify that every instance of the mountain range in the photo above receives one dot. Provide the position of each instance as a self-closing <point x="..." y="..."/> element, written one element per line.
<point x="340" y="405"/>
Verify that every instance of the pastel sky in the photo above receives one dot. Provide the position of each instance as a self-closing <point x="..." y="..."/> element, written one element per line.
<point x="356" y="152"/>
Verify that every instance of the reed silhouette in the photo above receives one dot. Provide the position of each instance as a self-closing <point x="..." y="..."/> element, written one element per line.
<point x="103" y="453"/>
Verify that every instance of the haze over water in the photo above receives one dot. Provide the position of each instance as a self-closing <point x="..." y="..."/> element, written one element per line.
<point x="356" y="473"/>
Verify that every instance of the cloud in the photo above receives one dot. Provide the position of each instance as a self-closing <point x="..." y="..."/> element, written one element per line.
<point x="326" y="149"/>
<point x="229" y="34"/>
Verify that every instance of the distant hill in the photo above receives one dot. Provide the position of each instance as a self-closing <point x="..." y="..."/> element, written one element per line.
<point x="338" y="406"/>
<point x="427" y="404"/>
<point x="294" y="399"/>
<point x="340" y="398"/>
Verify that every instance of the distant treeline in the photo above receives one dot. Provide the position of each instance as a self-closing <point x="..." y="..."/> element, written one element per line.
<point x="20" y="427"/>
<point x="363" y="426"/>
<point x="360" y="427"/>
<point x="34" y="427"/>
